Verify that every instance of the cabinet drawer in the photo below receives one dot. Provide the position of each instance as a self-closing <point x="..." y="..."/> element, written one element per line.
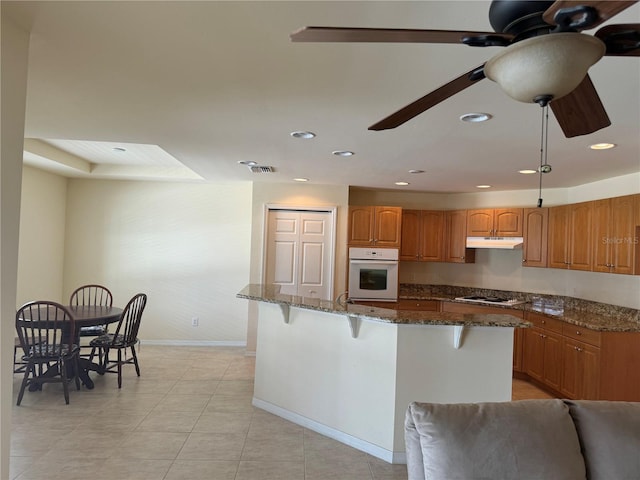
<point x="582" y="334"/>
<point x="467" y="308"/>
<point x="419" y="305"/>
<point x="541" y="321"/>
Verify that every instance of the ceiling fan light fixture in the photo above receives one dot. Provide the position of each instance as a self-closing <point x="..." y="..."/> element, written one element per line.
<point x="527" y="171"/>
<point x="550" y="65"/>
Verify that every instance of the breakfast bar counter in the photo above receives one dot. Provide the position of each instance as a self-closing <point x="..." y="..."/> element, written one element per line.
<point x="349" y="371"/>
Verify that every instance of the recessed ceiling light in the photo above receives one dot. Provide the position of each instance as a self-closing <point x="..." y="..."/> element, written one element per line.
<point x="249" y="163"/>
<point x="302" y="134"/>
<point x="483" y="186"/>
<point x="475" y="117"/>
<point x="301" y="179"/>
<point x="416" y="171"/>
<point x="402" y="184"/>
<point x="119" y="149"/>
<point x="527" y="172"/>
<point x="602" y="146"/>
<point x="343" y="153"/>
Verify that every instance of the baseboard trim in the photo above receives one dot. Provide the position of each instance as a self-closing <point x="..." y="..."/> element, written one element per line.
<point x="194" y="343"/>
<point x="374" y="450"/>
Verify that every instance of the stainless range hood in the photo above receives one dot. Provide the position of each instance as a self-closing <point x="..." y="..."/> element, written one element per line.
<point x="504" y="243"/>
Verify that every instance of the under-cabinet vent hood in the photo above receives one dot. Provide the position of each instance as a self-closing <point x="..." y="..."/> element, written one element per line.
<point x="505" y="243"/>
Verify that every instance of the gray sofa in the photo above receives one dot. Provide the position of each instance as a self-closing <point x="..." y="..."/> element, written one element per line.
<point x="523" y="440"/>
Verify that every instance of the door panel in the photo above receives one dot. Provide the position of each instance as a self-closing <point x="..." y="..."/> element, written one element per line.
<point x="299" y="252"/>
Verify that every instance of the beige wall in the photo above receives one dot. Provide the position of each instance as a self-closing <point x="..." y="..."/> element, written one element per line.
<point x="187" y="246"/>
<point x="42" y="230"/>
<point x="15" y="50"/>
<point x="503" y="270"/>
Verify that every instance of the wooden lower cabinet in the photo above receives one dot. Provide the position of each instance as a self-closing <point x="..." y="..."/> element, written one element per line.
<point x="542" y="356"/>
<point x="579" y="363"/>
<point x="581" y="370"/>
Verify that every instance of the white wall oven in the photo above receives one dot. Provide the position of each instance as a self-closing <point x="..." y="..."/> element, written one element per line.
<point x="373" y="274"/>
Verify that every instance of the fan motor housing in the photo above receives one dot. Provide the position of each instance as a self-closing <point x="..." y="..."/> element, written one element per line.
<point x="522" y="19"/>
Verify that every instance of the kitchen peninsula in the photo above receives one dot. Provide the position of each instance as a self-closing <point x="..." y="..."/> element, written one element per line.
<point x="349" y="371"/>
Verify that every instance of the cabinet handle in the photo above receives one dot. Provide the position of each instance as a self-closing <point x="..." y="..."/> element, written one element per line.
<point x="524" y="260"/>
<point x="578" y="332"/>
<point x="578" y="349"/>
<point x="461" y="258"/>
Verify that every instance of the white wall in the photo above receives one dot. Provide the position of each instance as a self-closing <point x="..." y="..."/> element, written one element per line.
<point x="42" y="230"/>
<point x="187" y="246"/>
<point x="503" y="270"/>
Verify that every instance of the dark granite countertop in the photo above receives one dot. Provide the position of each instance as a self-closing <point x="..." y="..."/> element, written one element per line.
<point x="593" y="315"/>
<point x="271" y="294"/>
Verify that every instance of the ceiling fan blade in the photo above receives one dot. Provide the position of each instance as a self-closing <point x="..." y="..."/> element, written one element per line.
<point x="606" y="8"/>
<point x="431" y="99"/>
<point x="581" y="112"/>
<point x="389" y="35"/>
<point x="621" y="40"/>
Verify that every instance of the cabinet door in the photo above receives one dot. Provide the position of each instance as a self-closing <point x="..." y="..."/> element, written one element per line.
<point x="558" y="253"/>
<point x="361" y="226"/>
<point x="480" y="223"/>
<point x="410" y="241"/>
<point x="601" y="210"/>
<point x="456" y="238"/>
<point x="580" y="236"/>
<point x="432" y="233"/>
<point x="581" y="371"/>
<point x="623" y="239"/>
<point x="518" y="349"/>
<point x="387" y="226"/>
<point x="507" y="222"/>
<point x="553" y="347"/>
<point x="533" y="353"/>
<point x="535" y="228"/>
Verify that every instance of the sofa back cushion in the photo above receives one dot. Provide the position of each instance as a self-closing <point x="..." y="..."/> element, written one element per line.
<point x="527" y="439"/>
<point x="610" y="438"/>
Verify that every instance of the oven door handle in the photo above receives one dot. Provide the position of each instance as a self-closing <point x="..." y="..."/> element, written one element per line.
<point x="362" y="262"/>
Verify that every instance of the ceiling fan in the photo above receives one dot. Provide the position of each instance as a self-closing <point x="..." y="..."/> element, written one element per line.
<point x="530" y="30"/>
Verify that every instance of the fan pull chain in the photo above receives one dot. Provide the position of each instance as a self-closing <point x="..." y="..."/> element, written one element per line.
<point x="544" y="142"/>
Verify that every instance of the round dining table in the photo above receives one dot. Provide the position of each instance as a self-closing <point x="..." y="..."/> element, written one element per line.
<point x="84" y="316"/>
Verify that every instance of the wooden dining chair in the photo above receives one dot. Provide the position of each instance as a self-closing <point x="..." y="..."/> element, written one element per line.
<point x="44" y="329"/>
<point x="125" y="336"/>
<point x="91" y="294"/>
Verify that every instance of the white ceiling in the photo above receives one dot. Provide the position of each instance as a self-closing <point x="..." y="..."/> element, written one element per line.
<point x="210" y="84"/>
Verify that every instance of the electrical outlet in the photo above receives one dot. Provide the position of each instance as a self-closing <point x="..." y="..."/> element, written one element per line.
<point x="195" y="321"/>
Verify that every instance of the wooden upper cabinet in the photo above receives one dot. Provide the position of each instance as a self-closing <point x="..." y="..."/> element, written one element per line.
<point x="375" y="226"/>
<point x="558" y="245"/>
<point x="614" y="239"/>
<point x="410" y="241"/>
<point x="580" y="234"/>
<point x="456" y="250"/>
<point x="479" y="223"/>
<point x="534" y="229"/>
<point x="502" y="222"/>
<point x="570" y="236"/>
<point x="422" y="236"/>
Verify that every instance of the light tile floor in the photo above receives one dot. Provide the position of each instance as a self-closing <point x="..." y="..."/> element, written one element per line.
<point x="189" y="416"/>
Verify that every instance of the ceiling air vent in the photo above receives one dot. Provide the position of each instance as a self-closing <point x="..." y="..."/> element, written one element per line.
<point x="261" y="169"/>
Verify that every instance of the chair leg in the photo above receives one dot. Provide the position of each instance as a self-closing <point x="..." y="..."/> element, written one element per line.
<point x="135" y="359"/>
<point x="62" y="365"/>
<point x="119" y="367"/>
<point x="76" y="370"/>
<point x="30" y="368"/>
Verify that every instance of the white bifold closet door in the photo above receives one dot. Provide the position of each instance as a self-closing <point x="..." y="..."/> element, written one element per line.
<point x="300" y="252"/>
